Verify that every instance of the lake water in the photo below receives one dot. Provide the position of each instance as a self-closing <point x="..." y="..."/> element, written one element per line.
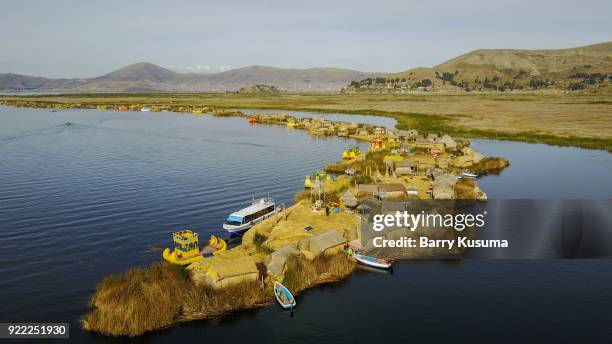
<point x="539" y="171"/>
<point x="84" y="193"/>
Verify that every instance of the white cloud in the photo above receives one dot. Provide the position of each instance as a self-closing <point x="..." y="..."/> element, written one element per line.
<point x="200" y="69"/>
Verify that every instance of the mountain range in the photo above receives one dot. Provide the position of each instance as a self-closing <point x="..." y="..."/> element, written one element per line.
<point x="482" y="70"/>
<point x="147" y="77"/>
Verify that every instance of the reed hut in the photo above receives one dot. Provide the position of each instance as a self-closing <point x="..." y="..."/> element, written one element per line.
<point x="444" y="187"/>
<point x="367" y="189"/>
<point x="406" y="168"/>
<point x="362" y="132"/>
<point x="350" y="201"/>
<point x="330" y="242"/>
<point x="387" y="191"/>
<point x="225" y="272"/>
<point x="463" y="161"/>
<point x="432" y="137"/>
<point x="423" y="143"/>
<point x="276" y="266"/>
<point x="448" y="142"/>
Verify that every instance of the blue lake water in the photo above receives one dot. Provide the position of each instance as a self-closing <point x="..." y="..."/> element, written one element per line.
<point x="84" y="193"/>
<point x="539" y="171"/>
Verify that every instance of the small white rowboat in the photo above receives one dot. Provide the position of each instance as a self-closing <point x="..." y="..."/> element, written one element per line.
<point x="283" y="296"/>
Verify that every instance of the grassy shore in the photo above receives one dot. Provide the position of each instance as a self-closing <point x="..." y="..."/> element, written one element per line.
<point x="151" y="298"/>
<point x="567" y="119"/>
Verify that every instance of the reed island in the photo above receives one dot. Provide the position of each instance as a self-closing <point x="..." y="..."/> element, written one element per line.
<point x="302" y="245"/>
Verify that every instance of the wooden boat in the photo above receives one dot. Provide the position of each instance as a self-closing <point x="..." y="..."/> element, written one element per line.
<point x="283" y="296"/>
<point x="372" y="261"/>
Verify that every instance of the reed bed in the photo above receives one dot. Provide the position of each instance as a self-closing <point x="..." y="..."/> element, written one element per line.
<point x="301" y="273"/>
<point x="150" y="298"/>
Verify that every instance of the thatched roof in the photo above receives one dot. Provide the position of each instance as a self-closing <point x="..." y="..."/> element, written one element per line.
<point x="443" y="191"/>
<point x="367" y="188"/>
<point x="321" y="242"/>
<point x="406" y="163"/>
<point x="224" y="268"/>
<point x="446" y="178"/>
<point x="448" y="142"/>
<point x="392" y="187"/>
<point x="349" y="199"/>
<point x="276" y="265"/>
<point x="423" y="142"/>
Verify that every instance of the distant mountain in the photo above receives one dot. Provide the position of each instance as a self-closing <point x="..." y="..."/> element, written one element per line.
<point x="147" y="77"/>
<point x="143" y="72"/>
<point x="507" y="69"/>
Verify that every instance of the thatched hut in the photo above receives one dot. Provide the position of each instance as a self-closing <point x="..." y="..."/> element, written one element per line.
<point x="330" y="242"/>
<point x="432" y="137"/>
<point x="225" y="272"/>
<point x="406" y="168"/>
<point x="362" y="132"/>
<point x="444" y="187"/>
<point x="463" y="161"/>
<point x="444" y="162"/>
<point x="386" y="191"/>
<point x="407" y="135"/>
<point x="367" y="188"/>
<point x="350" y="201"/>
<point x="448" y="142"/>
<point x="423" y="143"/>
<point x="276" y="266"/>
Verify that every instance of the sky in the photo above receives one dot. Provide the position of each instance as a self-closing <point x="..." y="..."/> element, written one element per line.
<point x="91" y="38"/>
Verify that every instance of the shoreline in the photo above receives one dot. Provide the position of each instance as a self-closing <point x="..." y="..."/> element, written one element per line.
<point x="419" y="120"/>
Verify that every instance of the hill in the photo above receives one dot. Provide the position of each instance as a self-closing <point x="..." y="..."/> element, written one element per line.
<point x="508" y="69"/>
<point x="259" y="89"/>
<point x="147" y="77"/>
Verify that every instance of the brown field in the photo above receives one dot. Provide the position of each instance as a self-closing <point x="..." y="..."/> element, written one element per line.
<point x="566" y="115"/>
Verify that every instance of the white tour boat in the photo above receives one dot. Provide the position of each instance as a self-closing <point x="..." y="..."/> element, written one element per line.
<point x="244" y="219"/>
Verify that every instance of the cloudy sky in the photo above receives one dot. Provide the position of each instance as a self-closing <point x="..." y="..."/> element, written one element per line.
<point x="90" y="38"/>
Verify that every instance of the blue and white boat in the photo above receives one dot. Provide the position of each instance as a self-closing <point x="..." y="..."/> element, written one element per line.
<point x="372" y="261"/>
<point x="244" y="219"/>
<point x="283" y="296"/>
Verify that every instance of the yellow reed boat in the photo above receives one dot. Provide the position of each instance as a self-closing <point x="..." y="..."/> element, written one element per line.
<point x="187" y="250"/>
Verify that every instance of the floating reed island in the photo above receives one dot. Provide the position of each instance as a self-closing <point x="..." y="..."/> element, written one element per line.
<point x="303" y="245"/>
